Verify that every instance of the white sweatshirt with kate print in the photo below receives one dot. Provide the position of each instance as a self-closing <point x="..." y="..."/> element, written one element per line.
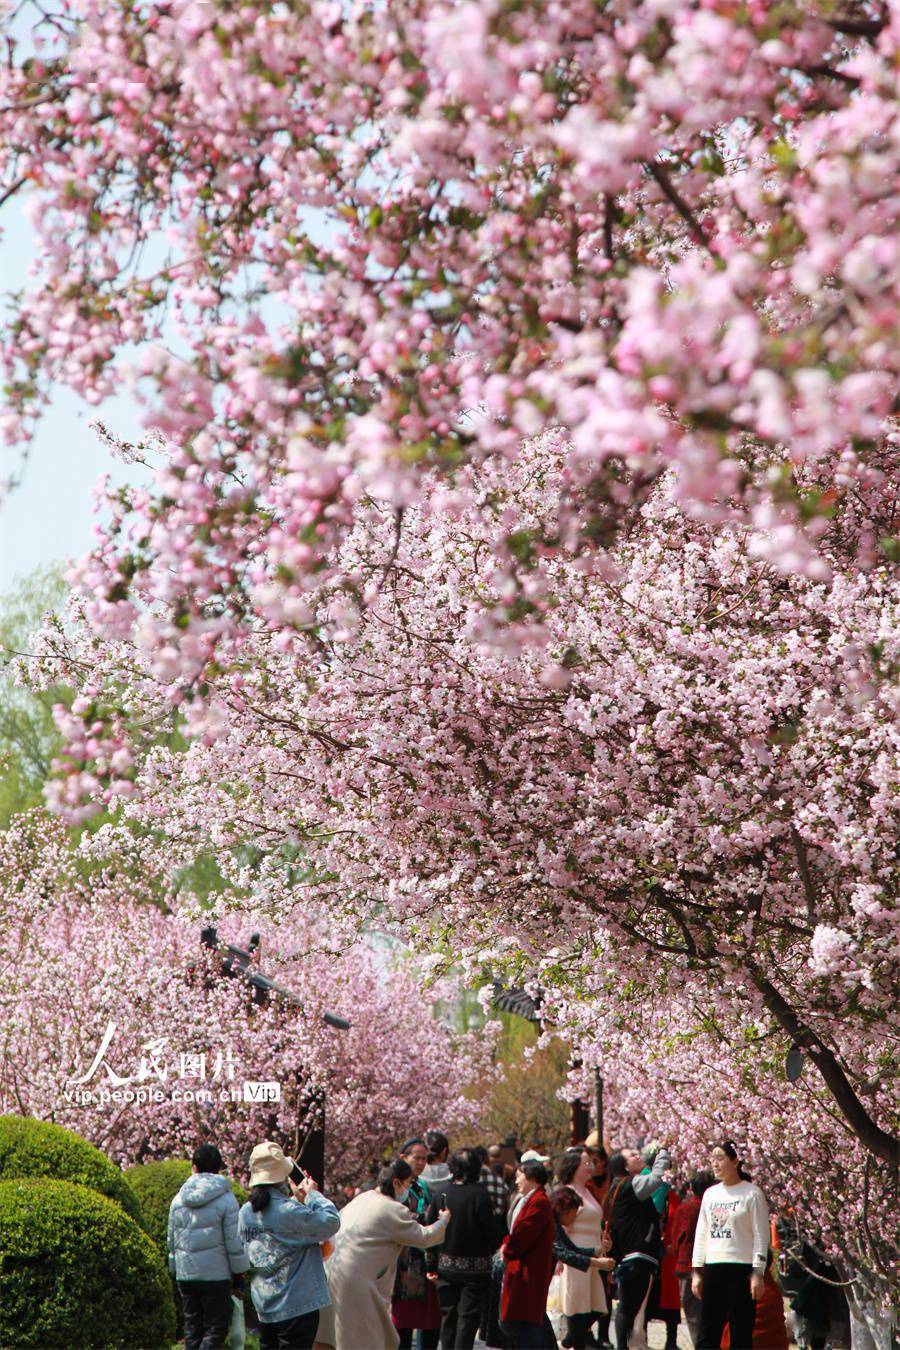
<point x="733" y="1227"/>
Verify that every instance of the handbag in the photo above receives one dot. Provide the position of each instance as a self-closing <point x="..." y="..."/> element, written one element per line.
<point x="411" y="1281"/>
<point x="554" y="1308"/>
<point x="237" y="1332"/>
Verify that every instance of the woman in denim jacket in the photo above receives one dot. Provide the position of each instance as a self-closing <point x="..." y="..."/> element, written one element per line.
<point x="282" y="1227"/>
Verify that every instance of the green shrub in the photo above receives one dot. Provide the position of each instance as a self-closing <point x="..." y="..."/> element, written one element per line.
<point x="35" y="1148"/>
<point x="75" y="1270"/>
<point x="156" y="1184"/>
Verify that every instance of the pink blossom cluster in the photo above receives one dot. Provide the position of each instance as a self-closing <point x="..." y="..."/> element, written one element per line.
<point x="86" y="944"/>
<point x="342" y="250"/>
<point x="95" y="764"/>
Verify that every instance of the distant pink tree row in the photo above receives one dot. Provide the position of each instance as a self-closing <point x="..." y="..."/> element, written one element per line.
<point x="78" y="952"/>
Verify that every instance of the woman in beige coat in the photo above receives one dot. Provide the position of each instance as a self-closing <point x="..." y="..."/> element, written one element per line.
<point x="375" y="1227"/>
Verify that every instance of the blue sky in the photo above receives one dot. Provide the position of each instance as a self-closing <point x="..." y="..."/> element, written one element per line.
<point x="48" y="518"/>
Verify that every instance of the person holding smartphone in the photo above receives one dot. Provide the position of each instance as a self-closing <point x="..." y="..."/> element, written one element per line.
<point x="282" y="1227"/>
<point x="376" y="1226"/>
<point x="461" y="1266"/>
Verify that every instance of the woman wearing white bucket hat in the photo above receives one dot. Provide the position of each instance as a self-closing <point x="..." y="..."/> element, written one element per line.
<point x="282" y="1235"/>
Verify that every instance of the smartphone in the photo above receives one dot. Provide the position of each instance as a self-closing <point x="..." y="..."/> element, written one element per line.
<point x="297" y="1175"/>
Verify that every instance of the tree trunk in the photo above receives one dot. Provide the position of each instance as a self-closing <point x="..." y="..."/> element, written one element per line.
<point x="870" y="1326"/>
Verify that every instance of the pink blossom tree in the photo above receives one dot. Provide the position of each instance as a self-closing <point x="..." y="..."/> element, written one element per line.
<point x="522" y="551"/>
<point x="79" y="953"/>
<point x="692" y="1072"/>
<point x="358" y="247"/>
<point x="690" y="754"/>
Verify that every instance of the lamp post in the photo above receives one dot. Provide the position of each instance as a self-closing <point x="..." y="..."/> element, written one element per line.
<point x="525" y="1005"/>
<point x="309" y="1145"/>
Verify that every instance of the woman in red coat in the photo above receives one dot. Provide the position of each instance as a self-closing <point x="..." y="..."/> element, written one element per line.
<point x="528" y="1256"/>
<point x="669" y="1292"/>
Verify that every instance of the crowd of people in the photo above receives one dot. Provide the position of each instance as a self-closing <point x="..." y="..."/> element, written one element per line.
<point x="440" y="1248"/>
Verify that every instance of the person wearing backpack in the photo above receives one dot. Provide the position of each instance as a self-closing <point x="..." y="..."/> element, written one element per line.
<point x="205" y="1255"/>
<point x="635" y="1228"/>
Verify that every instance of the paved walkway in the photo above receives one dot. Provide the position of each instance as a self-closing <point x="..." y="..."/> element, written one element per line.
<point x="656" y="1336"/>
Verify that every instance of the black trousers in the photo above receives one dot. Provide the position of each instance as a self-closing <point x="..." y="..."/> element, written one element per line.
<point x="634" y="1279"/>
<point x="296" y="1333"/>
<point x="461" y="1303"/>
<point x="726" y="1298"/>
<point x="578" y="1329"/>
<point x="207" y="1313"/>
<point x="429" y="1338"/>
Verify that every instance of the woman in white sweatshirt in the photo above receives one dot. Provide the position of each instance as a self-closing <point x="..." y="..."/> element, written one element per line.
<point x="731" y="1251"/>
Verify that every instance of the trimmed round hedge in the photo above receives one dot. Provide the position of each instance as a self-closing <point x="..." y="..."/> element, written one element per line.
<point x="156" y="1184"/>
<point x="35" y="1148"/>
<point x="77" y="1271"/>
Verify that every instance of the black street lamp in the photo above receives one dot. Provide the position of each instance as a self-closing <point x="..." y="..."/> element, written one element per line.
<point x="309" y="1144"/>
<point x="525" y="1005"/>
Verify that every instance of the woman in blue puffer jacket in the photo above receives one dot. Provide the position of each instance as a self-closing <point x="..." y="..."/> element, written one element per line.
<point x="205" y="1254"/>
<point x="282" y="1227"/>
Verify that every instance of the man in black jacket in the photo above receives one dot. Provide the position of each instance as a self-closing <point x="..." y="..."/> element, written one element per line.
<point x="462" y="1264"/>
<point x="636" y="1232"/>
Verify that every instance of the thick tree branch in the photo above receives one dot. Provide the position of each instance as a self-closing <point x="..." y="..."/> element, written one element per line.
<point x="832" y="74"/>
<point x="868" y="28"/>
<point x="809" y="890"/>
<point x="878" y="1142"/>
<point x="609" y="206"/>
<point x="13" y="189"/>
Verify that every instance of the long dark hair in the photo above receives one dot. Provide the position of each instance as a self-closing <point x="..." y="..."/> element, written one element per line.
<point x="438" y="1145"/>
<point x="568" y="1165"/>
<point x="261" y="1196"/>
<point x="617" y="1166"/>
<point x="398" y="1170"/>
<point x="616" y="1173"/>
<point x="565" y="1201"/>
<point x="729" y="1148"/>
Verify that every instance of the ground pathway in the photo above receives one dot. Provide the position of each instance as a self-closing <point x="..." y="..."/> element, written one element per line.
<point x="656" y="1338"/>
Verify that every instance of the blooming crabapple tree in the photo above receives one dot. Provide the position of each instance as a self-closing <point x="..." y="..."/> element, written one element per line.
<point x="686" y="761"/>
<point x="356" y="247"/>
<point x="78" y="953"/>
<point x="523" y="541"/>
<point x="689" y="1070"/>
